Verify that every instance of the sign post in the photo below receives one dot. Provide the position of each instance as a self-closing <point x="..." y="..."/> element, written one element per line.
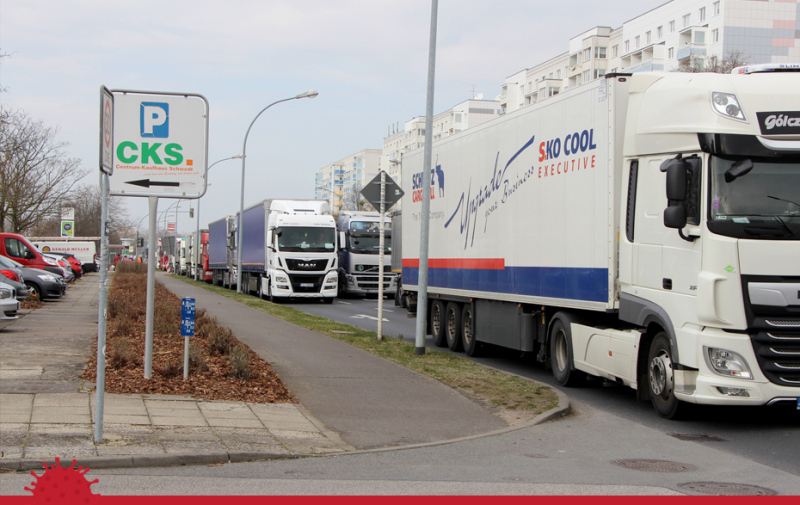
<point x="382" y="193"/>
<point x="160" y="150"/>
<point x="187" y="330"/>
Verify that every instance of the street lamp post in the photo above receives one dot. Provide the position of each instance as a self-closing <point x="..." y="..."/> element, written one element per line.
<point x="197" y="236"/>
<point x="308" y="94"/>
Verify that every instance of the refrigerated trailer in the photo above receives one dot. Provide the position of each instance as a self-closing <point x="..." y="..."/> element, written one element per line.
<point x="642" y="228"/>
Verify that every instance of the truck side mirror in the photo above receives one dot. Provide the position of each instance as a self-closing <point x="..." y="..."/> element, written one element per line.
<point x="676" y="179"/>
<point x="675" y="217"/>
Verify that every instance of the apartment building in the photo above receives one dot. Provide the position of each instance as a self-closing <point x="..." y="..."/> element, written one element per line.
<point x="681" y="33"/>
<point x="341" y="181"/>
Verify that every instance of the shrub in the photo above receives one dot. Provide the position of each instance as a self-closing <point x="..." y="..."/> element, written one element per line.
<point x="172" y="368"/>
<point x="220" y="341"/>
<point x="121" y="354"/>
<point x="239" y="359"/>
<point x="197" y="360"/>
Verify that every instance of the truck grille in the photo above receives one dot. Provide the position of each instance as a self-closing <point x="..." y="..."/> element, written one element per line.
<point x="366" y="269"/>
<point x="778" y="356"/>
<point x="306" y="283"/>
<point x="317" y="265"/>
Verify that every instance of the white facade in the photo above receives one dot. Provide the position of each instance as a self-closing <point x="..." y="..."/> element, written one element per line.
<point x="341" y="181"/>
<point x="680" y="32"/>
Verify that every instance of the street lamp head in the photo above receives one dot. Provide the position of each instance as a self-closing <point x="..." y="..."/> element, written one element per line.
<point x="236" y="157"/>
<point x="312" y="93"/>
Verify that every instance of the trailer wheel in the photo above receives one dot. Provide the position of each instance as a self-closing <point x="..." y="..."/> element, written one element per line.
<point x="561" y="355"/>
<point x="660" y="374"/>
<point x="453" y="327"/>
<point x="437" y="319"/>
<point x="468" y="340"/>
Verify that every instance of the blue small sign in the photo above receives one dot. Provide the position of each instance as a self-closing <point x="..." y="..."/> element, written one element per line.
<point x="187" y="317"/>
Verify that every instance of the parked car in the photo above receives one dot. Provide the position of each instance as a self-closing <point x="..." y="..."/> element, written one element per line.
<point x="19" y="249"/>
<point x="66" y="270"/>
<point x="74" y="263"/>
<point x="8" y="304"/>
<point x="41" y="283"/>
<point x="15" y="278"/>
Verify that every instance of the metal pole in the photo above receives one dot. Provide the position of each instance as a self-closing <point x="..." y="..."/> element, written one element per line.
<point x="381" y="259"/>
<point x="151" y="290"/>
<point x="422" y="294"/>
<point x="307" y="94"/>
<point x="101" y="312"/>
<point x="199" y="238"/>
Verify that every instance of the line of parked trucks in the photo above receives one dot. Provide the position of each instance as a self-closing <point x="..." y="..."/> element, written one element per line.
<point x="642" y="228"/>
<point x="291" y="249"/>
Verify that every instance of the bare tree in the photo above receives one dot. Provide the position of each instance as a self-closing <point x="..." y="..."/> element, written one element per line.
<point x="713" y="64"/>
<point x="35" y="172"/>
<point x="87" y="202"/>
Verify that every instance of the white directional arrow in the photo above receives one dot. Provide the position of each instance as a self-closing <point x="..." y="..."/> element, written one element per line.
<point x="364" y="316"/>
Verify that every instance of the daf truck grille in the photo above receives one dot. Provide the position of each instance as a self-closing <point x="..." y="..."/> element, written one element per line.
<point x="772" y="309"/>
<point x="778" y="356"/>
<point x="317" y="265"/>
<point x="306" y="283"/>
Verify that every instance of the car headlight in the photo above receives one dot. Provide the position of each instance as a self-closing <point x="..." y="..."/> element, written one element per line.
<point x="47" y="277"/>
<point x="727" y="363"/>
<point x="50" y="261"/>
<point x="6" y="294"/>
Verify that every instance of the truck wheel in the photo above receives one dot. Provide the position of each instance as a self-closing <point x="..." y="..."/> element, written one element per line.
<point x="468" y="341"/>
<point x="438" y="323"/>
<point x="561" y="356"/>
<point x="660" y="374"/>
<point x="453" y="327"/>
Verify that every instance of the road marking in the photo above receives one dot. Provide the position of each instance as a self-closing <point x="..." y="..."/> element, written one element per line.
<point x="364" y="316"/>
<point x="346" y="303"/>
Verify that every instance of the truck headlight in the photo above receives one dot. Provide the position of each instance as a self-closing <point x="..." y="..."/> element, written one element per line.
<point x="6" y="294"/>
<point x="281" y="278"/>
<point x="331" y="280"/>
<point x="727" y="105"/>
<point x="727" y="363"/>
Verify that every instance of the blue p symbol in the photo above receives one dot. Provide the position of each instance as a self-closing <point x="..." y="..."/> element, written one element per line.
<point x="154" y="120"/>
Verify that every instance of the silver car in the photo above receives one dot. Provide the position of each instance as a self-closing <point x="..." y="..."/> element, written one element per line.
<point x="8" y="304"/>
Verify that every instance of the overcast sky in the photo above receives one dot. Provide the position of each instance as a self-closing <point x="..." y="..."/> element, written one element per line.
<point x="367" y="58"/>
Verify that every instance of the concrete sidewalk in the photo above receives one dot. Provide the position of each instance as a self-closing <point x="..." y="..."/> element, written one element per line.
<point x="350" y="399"/>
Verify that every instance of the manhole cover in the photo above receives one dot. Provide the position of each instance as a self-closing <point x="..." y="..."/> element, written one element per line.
<point x="653" y="465"/>
<point x="727" y="489"/>
<point x="694" y="437"/>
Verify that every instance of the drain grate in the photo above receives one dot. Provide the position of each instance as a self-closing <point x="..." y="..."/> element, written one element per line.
<point x="696" y="437"/>
<point x="727" y="489"/>
<point x="653" y="465"/>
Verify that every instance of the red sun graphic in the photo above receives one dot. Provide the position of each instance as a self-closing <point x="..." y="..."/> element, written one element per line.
<point x="62" y="485"/>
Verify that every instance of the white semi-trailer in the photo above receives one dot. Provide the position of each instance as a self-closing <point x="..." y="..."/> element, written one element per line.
<point x="643" y="228"/>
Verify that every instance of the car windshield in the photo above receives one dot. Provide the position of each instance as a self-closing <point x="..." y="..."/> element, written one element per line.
<point x="306" y="239"/>
<point x="763" y="203"/>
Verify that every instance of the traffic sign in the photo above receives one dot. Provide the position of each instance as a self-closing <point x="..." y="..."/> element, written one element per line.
<point x="106" y="131"/>
<point x="160" y="144"/>
<point x="372" y="192"/>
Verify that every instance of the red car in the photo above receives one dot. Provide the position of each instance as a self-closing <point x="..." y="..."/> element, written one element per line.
<point x="74" y="263"/>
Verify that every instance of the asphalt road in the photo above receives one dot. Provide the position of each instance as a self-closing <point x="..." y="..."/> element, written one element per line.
<point x="767" y="435"/>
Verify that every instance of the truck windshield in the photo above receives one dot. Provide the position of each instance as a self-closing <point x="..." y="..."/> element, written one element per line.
<point x="761" y="204"/>
<point x="370" y="244"/>
<point x="307" y="239"/>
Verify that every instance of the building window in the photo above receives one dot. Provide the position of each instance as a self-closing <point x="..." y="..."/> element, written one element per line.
<point x="636" y="42"/>
<point x="587" y="54"/>
<point x="715" y="36"/>
<point x="647" y="38"/>
<point x="715" y="9"/>
<point x="687" y="20"/>
<point x="672" y="27"/>
<point x="600" y="52"/>
<point x="671" y="53"/>
<point x="599" y="73"/>
<point x="587" y="75"/>
<point x="558" y="74"/>
<point x="702" y="14"/>
<point x="660" y="32"/>
<point x="627" y="46"/>
<point x="615" y="51"/>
